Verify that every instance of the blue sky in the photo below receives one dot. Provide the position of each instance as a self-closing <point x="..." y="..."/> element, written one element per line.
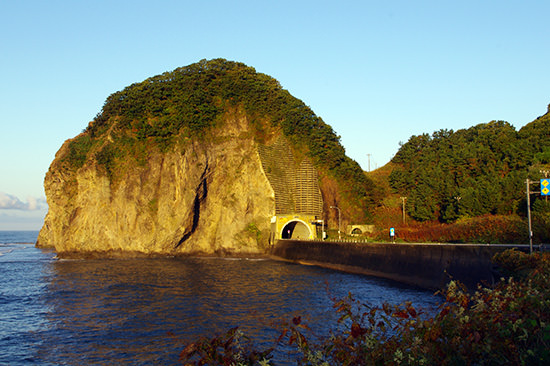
<point x="377" y="71"/>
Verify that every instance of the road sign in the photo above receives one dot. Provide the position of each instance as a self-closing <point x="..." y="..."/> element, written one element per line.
<point x="545" y="187"/>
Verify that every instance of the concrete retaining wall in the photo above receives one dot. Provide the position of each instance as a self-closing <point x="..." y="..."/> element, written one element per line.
<point x="425" y="265"/>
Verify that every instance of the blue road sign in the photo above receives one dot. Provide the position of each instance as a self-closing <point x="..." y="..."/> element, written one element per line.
<point x="545" y="187"/>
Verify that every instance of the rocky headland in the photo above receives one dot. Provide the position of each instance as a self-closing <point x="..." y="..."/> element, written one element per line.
<point x="191" y="162"/>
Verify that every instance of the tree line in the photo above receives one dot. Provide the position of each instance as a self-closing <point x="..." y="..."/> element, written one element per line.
<point x="481" y="170"/>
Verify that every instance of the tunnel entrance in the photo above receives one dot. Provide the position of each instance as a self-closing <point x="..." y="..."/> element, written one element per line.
<point x="296" y="230"/>
<point x="356" y="231"/>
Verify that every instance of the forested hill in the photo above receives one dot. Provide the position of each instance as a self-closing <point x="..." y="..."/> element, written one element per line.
<point x="189" y="103"/>
<point x="480" y="170"/>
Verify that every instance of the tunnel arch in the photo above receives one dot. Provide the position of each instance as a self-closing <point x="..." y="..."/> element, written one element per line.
<point x="356" y="231"/>
<point x="296" y="229"/>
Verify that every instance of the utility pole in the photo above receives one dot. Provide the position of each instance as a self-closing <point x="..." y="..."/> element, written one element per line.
<point x="403" y="199"/>
<point x="457" y="198"/>
<point x="368" y="155"/>
<point x="542" y="191"/>
<point x="527" y="181"/>
<point x="339" y="233"/>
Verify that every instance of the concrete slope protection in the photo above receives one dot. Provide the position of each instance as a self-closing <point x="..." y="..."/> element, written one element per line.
<point x="424" y="265"/>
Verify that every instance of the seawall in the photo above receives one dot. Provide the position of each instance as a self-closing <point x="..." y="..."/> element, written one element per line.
<point x="425" y="265"/>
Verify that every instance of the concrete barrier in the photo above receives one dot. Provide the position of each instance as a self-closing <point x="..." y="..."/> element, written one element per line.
<point x="424" y="265"/>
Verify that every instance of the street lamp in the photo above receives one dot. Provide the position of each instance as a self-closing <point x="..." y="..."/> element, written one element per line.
<point x="339" y="235"/>
<point x="403" y="199"/>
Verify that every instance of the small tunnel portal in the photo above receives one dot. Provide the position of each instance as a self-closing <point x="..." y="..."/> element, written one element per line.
<point x="296" y="230"/>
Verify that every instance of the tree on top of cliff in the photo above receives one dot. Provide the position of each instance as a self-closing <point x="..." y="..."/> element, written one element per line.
<point x="189" y="102"/>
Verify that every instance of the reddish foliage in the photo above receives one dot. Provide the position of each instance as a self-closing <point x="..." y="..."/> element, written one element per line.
<point x="357" y="331"/>
<point x="493" y="229"/>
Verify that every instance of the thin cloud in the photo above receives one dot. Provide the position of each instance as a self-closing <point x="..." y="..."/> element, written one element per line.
<point x="10" y="202"/>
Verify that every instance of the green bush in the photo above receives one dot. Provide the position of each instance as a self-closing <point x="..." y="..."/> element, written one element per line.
<point x="78" y="151"/>
<point x="106" y="157"/>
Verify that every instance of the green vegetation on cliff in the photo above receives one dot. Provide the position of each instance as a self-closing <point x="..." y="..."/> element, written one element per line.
<point x="472" y="172"/>
<point x="190" y="102"/>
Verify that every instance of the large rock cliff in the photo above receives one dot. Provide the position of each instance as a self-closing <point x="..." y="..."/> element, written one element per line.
<point x="202" y="197"/>
<point x="173" y="165"/>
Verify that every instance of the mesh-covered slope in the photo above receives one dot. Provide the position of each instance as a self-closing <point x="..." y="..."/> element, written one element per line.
<point x="295" y="184"/>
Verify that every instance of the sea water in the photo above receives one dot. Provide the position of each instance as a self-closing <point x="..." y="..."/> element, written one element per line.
<point x="144" y="311"/>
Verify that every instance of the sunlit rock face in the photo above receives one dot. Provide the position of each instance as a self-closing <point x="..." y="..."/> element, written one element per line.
<point x="207" y="197"/>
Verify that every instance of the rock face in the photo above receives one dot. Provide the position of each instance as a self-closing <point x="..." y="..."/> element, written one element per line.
<point x="203" y="198"/>
<point x="195" y="161"/>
